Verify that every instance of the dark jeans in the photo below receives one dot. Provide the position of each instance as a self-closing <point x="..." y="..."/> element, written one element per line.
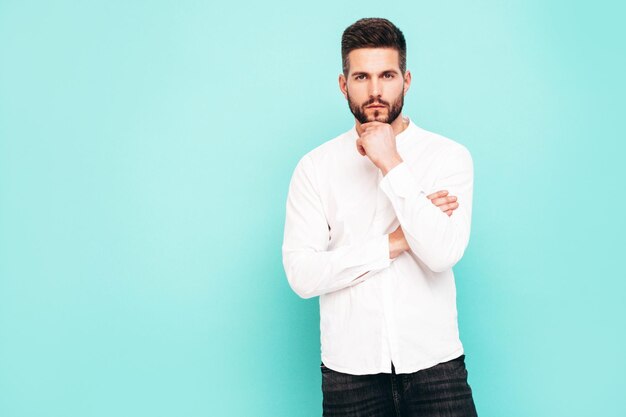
<point x="434" y="392"/>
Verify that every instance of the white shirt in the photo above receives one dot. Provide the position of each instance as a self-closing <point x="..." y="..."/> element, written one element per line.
<point x="340" y="210"/>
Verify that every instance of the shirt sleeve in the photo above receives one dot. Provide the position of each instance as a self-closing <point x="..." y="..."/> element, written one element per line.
<point x="435" y="238"/>
<point x="310" y="267"/>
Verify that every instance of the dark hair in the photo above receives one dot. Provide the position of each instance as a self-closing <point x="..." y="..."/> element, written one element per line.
<point x="372" y="33"/>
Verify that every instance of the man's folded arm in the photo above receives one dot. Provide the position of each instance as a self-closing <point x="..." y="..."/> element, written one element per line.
<point x="435" y="238"/>
<point x="310" y="267"/>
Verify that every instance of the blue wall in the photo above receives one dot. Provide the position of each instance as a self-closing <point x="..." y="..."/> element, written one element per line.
<point x="145" y="153"/>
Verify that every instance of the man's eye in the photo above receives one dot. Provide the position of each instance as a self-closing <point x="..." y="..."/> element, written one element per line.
<point x="360" y="77"/>
<point x="388" y="75"/>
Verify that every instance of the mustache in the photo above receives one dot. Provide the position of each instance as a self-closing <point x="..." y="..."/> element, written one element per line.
<point x="375" y="101"/>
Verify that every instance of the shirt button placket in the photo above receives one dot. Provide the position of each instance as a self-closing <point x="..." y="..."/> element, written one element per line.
<point x="388" y="318"/>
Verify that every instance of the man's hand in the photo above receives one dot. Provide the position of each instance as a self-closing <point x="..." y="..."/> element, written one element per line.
<point x="447" y="203"/>
<point x="441" y="199"/>
<point x="397" y="243"/>
<point x="378" y="143"/>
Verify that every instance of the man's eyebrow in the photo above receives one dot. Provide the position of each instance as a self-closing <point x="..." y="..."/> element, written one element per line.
<point x="388" y="71"/>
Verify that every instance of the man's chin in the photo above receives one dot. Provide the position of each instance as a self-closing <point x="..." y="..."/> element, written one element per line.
<point x="380" y="118"/>
<point x="362" y="117"/>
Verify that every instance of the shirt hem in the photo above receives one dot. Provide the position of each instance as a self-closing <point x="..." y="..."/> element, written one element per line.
<point x="425" y="365"/>
<point x="402" y="370"/>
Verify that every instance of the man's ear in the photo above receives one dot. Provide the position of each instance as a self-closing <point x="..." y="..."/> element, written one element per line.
<point x="407" y="81"/>
<point x="343" y="85"/>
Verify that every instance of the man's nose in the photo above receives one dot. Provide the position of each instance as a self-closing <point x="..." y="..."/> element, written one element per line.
<point x="375" y="88"/>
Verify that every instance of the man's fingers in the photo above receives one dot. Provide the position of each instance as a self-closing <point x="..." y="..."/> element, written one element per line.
<point x="360" y="147"/>
<point x="441" y="193"/>
<point x="450" y="206"/>
<point x="447" y="203"/>
<point x="443" y="200"/>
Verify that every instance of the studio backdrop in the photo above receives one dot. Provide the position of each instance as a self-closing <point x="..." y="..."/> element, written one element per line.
<point x="146" y="150"/>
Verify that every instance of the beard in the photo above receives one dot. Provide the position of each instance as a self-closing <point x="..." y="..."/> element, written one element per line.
<point x="393" y="110"/>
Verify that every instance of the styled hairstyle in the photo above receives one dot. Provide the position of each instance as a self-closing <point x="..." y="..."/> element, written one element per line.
<point x="372" y="33"/>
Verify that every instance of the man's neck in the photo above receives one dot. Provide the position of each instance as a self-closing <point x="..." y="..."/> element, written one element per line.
<point x="397" y="125"/>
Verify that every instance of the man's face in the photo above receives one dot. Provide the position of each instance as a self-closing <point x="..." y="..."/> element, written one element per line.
<point x="375" y="87"/>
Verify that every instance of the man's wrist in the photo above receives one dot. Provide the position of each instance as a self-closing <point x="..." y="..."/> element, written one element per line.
<point x="390" y="164"/>
<point x="397" y="243"/>
<point x="393" y="247"/>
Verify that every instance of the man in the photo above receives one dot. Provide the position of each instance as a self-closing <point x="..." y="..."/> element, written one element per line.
<point x="376" y="218"/>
